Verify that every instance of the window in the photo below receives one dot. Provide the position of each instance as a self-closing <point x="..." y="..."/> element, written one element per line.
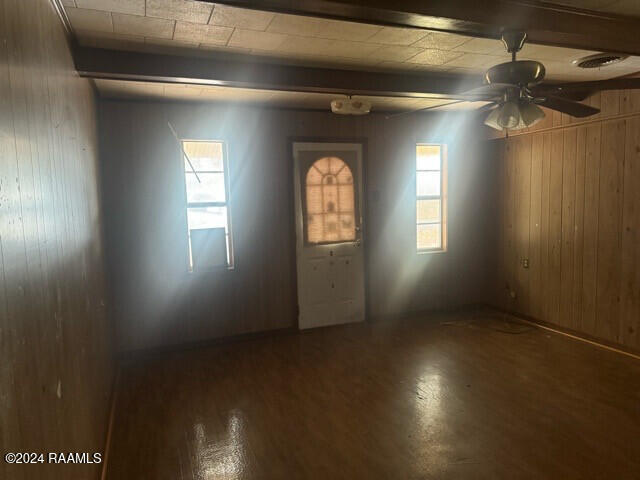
<point x="207" y="188"/>
<point x="431" y="207"/>
<point x="330" y="202"/>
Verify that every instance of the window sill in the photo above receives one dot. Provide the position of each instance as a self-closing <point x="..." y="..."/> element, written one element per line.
<point x="209" y="271"/>
<point x="435" y="250"/>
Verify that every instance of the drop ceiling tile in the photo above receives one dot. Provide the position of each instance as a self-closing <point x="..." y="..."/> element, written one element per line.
<point x="435" y="57"/>
<point x="398" y="36"/>
<point x="145" y="26"/>
<point x="254" y="39"/>
<point x="133" y="7"/>
<point x="305" y="45"/>
<point x="425" y="67"/>
<point x="543" y="52"/>
<point x="486" y="46"/>
<point x="441" y="41"/>
<point x="342" y="48"/>
<point x="475" y="61"/>
<point x="395" y="53"/>
<point x="68" y="3"/>
<point x="466" y="71"/>
<point x="185" y="10"/>
<point x="297" y="25"/>
<point x="240" y="17"/>
<point x="397" y="65"/>
<point x="95" y="20"/>
<point x="199" y="33"/>
<point x="340" y="30"/>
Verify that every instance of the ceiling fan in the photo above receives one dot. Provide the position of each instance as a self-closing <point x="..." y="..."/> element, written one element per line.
<point x="515" y="91"/>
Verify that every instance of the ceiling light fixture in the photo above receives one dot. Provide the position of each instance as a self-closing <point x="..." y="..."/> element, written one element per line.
<point x="514" y="115"/>
<point x="349" y="106"/>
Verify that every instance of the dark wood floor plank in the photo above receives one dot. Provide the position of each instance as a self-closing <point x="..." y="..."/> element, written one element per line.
<point x="448" y="397"/>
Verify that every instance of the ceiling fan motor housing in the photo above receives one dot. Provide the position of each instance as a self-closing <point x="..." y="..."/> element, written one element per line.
<point x="519" y="72"/>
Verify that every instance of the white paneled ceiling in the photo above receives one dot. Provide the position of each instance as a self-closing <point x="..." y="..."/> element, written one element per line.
<point x="199" y="28"/>
<point x="122" y="89"/>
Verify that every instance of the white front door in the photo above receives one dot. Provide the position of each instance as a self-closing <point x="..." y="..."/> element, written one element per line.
<point x="329" y="250"/>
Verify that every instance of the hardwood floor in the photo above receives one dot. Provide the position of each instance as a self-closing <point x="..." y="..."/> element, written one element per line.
<point x="451" y="396"/>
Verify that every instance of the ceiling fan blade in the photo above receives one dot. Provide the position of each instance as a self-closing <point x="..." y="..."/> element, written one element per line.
<point x="487" y="107"/>
<point x="569" y="107"/>
<point x="491" y="91"/>
<point x="589" y="87"/>
<point x="423" y="109"/>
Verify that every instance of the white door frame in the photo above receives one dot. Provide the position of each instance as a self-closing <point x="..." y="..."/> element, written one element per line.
<point x="355" y="248"/>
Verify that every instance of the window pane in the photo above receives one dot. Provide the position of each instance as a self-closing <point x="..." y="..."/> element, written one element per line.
<point x="347" y="227"/>
<point x="207" y="217"/>
<point x="428" y="157"/>
<point x="429" y="236"/>
<point x="204" y="156"/>
<point x="210" y="188"/>
<point x="315" y="228"/>
<point x="331" y="227"/>
<point x="428" y="183"/>
<point x="428" y="210"/>
<point x="330" y="198"/>
<point x="314" y="199"/>
<point x="345" y="192"/>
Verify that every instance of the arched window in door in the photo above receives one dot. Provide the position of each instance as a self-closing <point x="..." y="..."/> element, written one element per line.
<point x="330" y="202"/>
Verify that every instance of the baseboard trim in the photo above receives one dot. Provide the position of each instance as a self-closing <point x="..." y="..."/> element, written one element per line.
<point x="582" y="337"/>
<point x="112" y="412"/>
<point x="132" y="356"/>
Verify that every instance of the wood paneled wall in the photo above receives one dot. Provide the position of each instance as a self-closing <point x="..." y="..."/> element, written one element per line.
<point x="568" y="197"/>
<point x="158" y="303"/>
<point x="55" y="344"/>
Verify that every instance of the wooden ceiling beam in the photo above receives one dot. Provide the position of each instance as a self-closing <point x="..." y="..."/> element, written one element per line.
<point x="545" y="23"/>
<point x="150" y="67"/>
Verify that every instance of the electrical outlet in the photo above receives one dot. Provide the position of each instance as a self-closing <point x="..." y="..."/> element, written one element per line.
<point x="525" y="263"/>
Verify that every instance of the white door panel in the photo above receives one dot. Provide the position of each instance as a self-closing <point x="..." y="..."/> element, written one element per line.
<point x="330" y="264"/>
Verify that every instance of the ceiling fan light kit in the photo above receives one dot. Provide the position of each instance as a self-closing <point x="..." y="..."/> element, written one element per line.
<point x="514" y="116"/>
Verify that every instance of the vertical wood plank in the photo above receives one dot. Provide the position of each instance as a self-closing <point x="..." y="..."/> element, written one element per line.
<point x="609" y="234"/>
<point x="555" y="226"/>
<point x="500" y="289"/>
<point x="591" y="212"/>
<point x="630" y="251"/>
<point x="578" y="238"/>
<point x="630" y="101"/>
<point x="595" y="101"/>
<point x="522" y="207"/>
<point x="54" y="335"/>
<point x="568" y="227"/>
<point x="509" y="235"/>
<point x="535" y="222"/>
<point x="609" y="103"/>
<point x="544" y="225"/>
